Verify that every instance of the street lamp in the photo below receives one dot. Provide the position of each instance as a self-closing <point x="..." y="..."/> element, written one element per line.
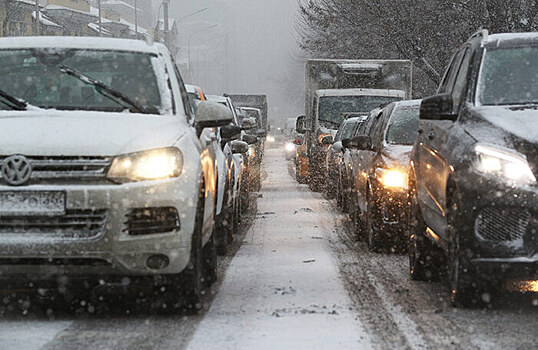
<point x="189" y="47"/>
<point x="191" y="14"/>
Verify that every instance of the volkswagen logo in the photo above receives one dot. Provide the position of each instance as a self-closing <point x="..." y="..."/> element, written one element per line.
<point x="16" y="170"/>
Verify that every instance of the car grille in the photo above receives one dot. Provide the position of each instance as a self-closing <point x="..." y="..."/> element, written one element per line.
<point x="54" y="168"/>
<point x="145" y="221"/>
<point x="74" y="224"/>
<point x="502" y="225"/>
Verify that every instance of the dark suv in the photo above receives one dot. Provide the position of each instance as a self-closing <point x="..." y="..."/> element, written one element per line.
<point x="473" y="190"/>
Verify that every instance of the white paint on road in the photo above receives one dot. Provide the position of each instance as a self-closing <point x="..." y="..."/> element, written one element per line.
<point x="29" y="335"/>
<point x="282" y="289"/>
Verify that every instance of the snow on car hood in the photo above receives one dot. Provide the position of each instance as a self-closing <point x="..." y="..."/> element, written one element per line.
<point x="520" y="122"/>
<point x="81" y="133"/>
<point x="397" y="156"/>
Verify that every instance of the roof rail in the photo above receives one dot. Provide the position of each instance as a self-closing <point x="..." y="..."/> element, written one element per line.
<point x="483" y="33"/>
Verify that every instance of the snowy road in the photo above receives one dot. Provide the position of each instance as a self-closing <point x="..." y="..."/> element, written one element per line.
<point x="296" y="278"/>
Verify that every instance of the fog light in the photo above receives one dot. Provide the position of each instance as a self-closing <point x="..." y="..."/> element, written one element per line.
<point x="158" y="262"/>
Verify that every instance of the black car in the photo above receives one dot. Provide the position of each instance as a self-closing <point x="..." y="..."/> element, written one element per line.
<point x="473" y="190"/>
<point x="334" y="153"/>
<point x="380" y="177"/>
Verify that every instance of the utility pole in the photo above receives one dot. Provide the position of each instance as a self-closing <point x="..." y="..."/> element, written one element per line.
<point x="100" y="24"/>
<point x="37" y="17"/>
<point x="166" y="22"/>
<point x="136" y="19"/>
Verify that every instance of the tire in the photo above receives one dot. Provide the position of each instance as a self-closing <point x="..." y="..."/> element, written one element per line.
<point x="376" y="238"/>
<point x="339" y="199"/>
<point x="425" y="258"/>
<point x="465" y="286"/>
<point x="226" y="228"/>
<point x="209" y="254"/>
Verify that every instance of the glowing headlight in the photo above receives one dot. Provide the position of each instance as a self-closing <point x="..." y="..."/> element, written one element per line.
<point x="149" y="165"/>
<point x="270" y="139"/>
<point x="290" y="147"/>
<point x="251" y="151"/>
<point x="393" y="178"/>
<point x="511" y="166"/>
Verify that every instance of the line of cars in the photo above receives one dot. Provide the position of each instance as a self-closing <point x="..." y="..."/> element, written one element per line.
<point x="451" y="179"/>
<point x="113" y="173"/>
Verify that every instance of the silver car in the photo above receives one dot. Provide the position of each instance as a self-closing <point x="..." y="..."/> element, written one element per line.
<point x="102" y="170"/>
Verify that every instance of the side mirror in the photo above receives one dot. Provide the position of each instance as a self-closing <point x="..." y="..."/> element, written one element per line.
<point x="438" y="107"/>
<point x="248" y="123"/>
<point x="230" y="132"/>
<point x="250" y="139"/>
<point x="327" y="140"/>
<point x="361" y="142"/>
<point x="300" y="124"/>
<point x="337" y="147"/>
<point x="239" y="147"/>
<point x="211" y="114"/>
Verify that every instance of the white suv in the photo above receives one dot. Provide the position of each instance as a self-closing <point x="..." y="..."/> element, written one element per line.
<point x="102" y="171"/>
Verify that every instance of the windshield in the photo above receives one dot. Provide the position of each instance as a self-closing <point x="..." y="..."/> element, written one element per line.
<point x="40" y="78"/>
<point x="333" y="108"/>
<point x="403" y="125"/>
<point x="509" y="77"/>
<point x="346" y="131"/>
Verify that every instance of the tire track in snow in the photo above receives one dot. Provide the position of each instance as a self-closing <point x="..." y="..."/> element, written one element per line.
<point x="29" y="335"/>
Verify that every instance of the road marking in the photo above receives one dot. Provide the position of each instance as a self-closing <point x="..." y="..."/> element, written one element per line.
<point x="404" y="323"/>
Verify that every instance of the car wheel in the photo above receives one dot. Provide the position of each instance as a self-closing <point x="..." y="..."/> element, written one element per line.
<point x="425" y="259"/>
<point x="339" y="199"/>
<point x="375" y="235"/>
<point x="209" y="253"/>
<point x="465" y="287"/>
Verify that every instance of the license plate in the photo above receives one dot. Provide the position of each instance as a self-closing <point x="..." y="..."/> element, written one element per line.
<point x="18" y="203"/>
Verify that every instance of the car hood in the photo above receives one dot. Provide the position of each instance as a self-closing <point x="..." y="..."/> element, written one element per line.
<point x="397" y="156"/>
<point x="80" y="133"/>
<point x="510" y="127"/>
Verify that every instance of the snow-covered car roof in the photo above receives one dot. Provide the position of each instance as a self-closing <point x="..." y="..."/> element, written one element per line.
<point x="509" y="39"/>
<point x="361" y="92"/>
<point x="81" y="43"/>
<point x="408" y="103"/>
<point x="217" y="98"/>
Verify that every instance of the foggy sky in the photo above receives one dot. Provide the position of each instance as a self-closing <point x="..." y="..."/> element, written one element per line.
<point x="256" y="37"/>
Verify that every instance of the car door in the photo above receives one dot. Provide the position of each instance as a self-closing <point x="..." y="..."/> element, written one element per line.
<point x="361" y="160"/>
<point x="434" y="166"/>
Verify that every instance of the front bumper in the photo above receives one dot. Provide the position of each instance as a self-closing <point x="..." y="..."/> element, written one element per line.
<point x="501" y="232"/>
<point x="392" y="206"/>
<point x="112" y="250"/>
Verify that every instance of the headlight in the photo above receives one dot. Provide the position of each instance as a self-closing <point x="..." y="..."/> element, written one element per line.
<point x="149" y="165"/>
<point x="290" y="147"/>
<point x="251" y="151"/>
<point x="505" y="164"/>
<point x="393" y="178"/>
<point x="270" y="139"/>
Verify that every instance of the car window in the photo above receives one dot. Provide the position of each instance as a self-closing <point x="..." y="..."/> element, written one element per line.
<point x="47" y="78"/>
<point x="188" y="105"/>
<point x="461" y="80"/>
<point x="509" y="76"/>
<point x="403" y="125"/>
<point x="450" y="77"/>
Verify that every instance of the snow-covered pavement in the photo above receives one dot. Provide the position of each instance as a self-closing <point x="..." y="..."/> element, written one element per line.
<point x="282" y="290"/>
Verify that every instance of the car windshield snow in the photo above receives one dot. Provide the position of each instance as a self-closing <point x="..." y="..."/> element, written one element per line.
<point x="332" y="108"/>
<point x="74" y="79"/>
<point x="403" y="125"/>
<point x="509" y="77"/>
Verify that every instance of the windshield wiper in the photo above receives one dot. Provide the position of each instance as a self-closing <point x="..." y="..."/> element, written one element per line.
<point x="14" y="102"/>
<point x="105" y="90"/>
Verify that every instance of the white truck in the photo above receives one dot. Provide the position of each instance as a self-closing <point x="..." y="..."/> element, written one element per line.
<point x="338" y="88"/>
